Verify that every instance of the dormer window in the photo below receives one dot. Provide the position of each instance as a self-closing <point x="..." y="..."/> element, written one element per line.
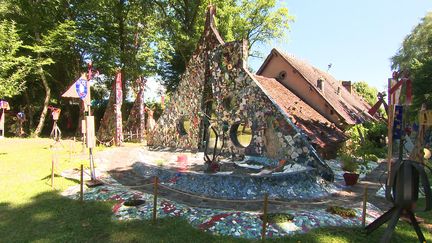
<point x="281" y="76"/>
<point x="320" y="84"/>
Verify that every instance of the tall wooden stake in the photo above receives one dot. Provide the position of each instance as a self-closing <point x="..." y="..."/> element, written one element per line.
<point x="70" y="151"/>
<point x="365" y="196"/>
<point x="52" y="171"/>
<point x="155" y="192"/>
<point x="390" y="119"/>
<point x="264" y="224"/>
<point x="82" y="183"/>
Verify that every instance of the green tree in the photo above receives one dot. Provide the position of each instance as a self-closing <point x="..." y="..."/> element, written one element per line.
<point x="366" y="91"/>
<point x="415" y="56"/>
<point x="13" y="67"/>
<point x="183" y="22"/>
<point x="48" y="38"/>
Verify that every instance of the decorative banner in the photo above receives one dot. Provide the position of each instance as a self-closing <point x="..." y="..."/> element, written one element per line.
<point x="397" y="125"/>
<point x="394" y="91"/>
<point x="408" y="91"/>
<point x="426" y="118"/>
<point x="91" y="141"/>
<point x="81" y="88"/>
<point x="118" y="104"/>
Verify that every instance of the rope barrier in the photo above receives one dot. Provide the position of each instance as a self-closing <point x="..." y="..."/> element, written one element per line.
<point x="209" y="198"/>
<point x="124" y="186"/>
<point x="272" y="201"/>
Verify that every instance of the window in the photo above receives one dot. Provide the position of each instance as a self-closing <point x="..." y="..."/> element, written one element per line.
<point x="184" y="125"/>
<point x="241" y="134"/>
<point x="320" y="84"/>
<point x="281" y="76"/>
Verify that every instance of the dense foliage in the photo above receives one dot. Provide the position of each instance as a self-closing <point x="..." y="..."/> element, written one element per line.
<point x="415" y="56"/>
<point x="46" y="45"/>
<point x="366" y="143"/>
<point x="13" y="67"/>
<point x="366" y="91"/>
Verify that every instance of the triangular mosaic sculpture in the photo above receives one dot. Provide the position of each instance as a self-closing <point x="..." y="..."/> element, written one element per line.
<point x="107" y="128"/>
<point x="136" y="120"/>
<point x="217" y="72"/>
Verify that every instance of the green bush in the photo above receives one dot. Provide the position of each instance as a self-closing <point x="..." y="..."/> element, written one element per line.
<point x="371" y="157"/>
<point x="344" y="212"/>
<point x="279" y="218"/>
<point x="348" y="163"/>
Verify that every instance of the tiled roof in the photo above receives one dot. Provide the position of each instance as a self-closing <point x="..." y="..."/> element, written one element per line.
<point x="349" y="106"/>
<point x="319" y="130"/>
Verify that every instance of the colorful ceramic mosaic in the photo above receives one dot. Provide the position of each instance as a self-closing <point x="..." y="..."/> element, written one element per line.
<point x="297" y="184"/>
<point x="218" y="82"/>
<point x="136" y="120"/>
<point x="219" y="222"/>
<point x="110" y="125"/>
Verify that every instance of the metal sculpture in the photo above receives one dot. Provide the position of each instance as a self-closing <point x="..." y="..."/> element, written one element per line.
<point x="55" y="131"/>
<point x="212" y="164"/>
<point x="403" y="193"/>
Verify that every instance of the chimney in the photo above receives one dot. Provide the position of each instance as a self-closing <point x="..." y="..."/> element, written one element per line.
<point x="347" y="85"/>
<point x="320" y="84"/>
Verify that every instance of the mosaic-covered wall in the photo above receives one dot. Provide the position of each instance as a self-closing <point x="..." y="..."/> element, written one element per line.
<point x="107" y="128"/>
<point x="186" y="102"/>
<point x="236" y="98"/>
<point x="136" y="120"/>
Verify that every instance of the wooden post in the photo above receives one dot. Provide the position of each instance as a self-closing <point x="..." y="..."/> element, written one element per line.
<point x="390" y="141"/>
<point x="155" y="192"/>
<point x="264" y="224"/>
<point x="52" y="168"/>
<point x="74" y="146"/>
<point x="82" y="183"/>
<point x="365" y="196"/>
<point x="70" y="151"/>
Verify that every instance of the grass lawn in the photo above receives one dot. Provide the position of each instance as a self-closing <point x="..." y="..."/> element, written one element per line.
<point x="31" y="211"/>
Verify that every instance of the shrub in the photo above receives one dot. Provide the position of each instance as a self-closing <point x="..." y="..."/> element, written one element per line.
<point x="344" y="212"/>
<point x="348" y="163"/>
<point x="279" y="217"/>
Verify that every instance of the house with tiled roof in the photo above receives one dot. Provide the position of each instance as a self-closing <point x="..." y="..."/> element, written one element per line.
<point x="321" y="133"/>
<point x="333" y="99"/>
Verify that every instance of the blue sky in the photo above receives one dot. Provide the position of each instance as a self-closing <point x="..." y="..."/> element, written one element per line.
<point x="357" y="37"/>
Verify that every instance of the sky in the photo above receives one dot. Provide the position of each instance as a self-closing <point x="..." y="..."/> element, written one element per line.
<point x="357" y="37"/>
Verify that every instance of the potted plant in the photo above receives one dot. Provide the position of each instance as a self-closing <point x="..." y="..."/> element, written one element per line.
<point x="350" y="166"/>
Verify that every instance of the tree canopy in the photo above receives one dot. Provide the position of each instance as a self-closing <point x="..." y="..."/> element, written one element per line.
<point x="46" y="45"/>
<point x="415" y="56"/>
<point x="369" y="93"/>
<point x="13" y="67"/>
<point x="254" y="20"/>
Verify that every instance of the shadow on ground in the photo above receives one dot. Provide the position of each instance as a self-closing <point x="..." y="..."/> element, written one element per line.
<point x="49" y="217"/>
